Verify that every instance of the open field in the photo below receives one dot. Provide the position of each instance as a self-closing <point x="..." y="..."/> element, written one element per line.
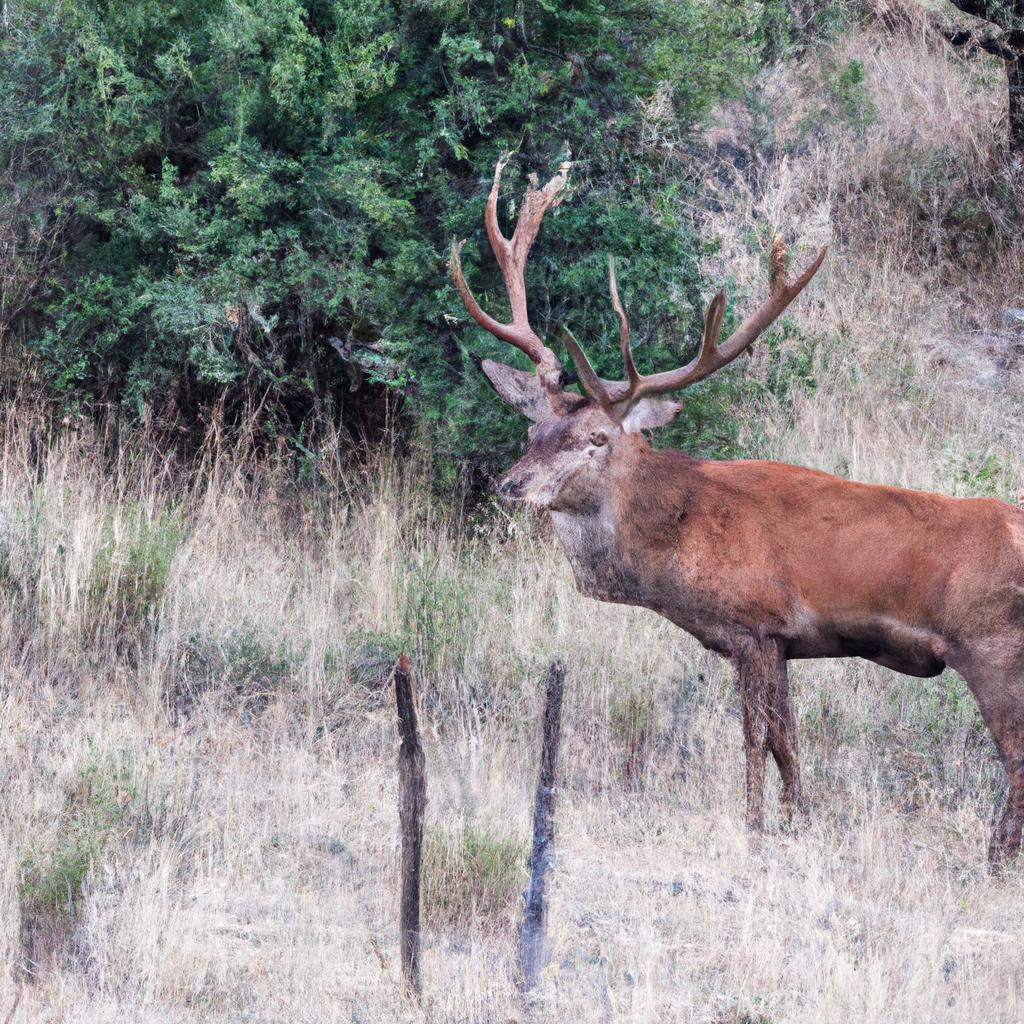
<point x="198" y="748"/>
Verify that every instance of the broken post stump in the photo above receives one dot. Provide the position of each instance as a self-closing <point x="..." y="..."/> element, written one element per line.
<point x="412" y="802"/>
<point x="533" y="940"/>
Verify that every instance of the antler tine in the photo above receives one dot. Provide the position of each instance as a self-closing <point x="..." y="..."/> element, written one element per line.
<point x="713" y="317"/>
<point x="627" y="352"/>
<point x="782" y="293"/>
<point x="499" y="243"/>
<point x="487" y="322"/>
<point x="536" y="203"/>
<point x="712" y="355"/>
<point x="592" y="384"/>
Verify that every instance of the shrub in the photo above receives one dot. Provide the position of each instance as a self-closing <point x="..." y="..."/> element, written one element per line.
<point x="984" y="476"/>
<point x="371" y="660"/>
<point x="437" y="615"/>
<point x="53" y="880"/>
<point x="243" y="670"/>
<point x="133" y="561"/>
<point x="240" y="192"/>
<point x="472" y="877"/>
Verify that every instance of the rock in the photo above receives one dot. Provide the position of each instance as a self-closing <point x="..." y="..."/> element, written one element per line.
<point x="982" y="359"/>
<point x="981" y="938"/>
<point x="1013" y="317"/>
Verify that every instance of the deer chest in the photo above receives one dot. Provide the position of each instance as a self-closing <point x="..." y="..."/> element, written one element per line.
<point x="601" y="568"/>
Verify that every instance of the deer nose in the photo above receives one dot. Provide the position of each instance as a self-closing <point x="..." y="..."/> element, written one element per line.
<point x="509" y="488"/>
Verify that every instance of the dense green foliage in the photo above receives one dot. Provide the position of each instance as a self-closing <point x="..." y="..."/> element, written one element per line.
<point x="224" y="192"/>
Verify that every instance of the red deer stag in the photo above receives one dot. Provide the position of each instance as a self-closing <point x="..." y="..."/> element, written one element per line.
<point x="761" y="562"/>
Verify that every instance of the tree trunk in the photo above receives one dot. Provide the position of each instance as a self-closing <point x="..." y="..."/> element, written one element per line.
<point x="1015" y="93"/>
<point x="775" y="26"/>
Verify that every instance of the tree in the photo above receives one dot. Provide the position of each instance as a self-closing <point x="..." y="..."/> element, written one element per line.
<point x="1003" y="36"/>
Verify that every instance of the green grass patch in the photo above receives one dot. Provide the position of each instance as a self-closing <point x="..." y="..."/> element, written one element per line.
<point x="472" y="877"/>
<point x="95" y="808"/>
<point x="243" y="669"/>
<point x="133" y="561"/>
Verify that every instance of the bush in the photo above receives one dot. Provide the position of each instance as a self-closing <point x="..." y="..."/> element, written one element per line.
<point x="240" y="190"/>
<point x="242" y="670"/>
<point x="984" y="477"/>
<point x="472" y="877"/>
<point x="372" y="660"/>
<point x="438" y="610"/>
<point x="133" y="562"/>
<point x="52" y="881"/>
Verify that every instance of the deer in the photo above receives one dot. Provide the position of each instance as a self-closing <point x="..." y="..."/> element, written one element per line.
<point x="762" y="562"/>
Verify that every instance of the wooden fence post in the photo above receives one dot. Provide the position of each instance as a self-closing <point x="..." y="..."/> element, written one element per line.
<point x="412" y="802"/>
<point x="533" y="943"/>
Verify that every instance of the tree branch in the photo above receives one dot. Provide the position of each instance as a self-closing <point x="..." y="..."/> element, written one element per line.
<point x="965" y="39"/>
<point x="999" y="12"/>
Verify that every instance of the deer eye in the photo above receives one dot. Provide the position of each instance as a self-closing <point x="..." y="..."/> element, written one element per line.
<point x="598" y="438"/>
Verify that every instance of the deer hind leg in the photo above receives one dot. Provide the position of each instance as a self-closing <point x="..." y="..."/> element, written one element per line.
<point x="782" y="741"/>
<point x="1004" y="843"/>
<point x="998" y="687"/>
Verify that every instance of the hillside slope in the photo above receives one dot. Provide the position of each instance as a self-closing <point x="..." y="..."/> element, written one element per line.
<point x="198" y="750"/>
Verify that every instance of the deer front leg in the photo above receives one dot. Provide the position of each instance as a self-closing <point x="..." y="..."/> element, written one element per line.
<point x="782" y="740"/>
<point x="754" y="682"/>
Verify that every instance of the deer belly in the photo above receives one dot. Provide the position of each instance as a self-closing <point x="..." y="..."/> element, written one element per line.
<point x="887" y="642"/>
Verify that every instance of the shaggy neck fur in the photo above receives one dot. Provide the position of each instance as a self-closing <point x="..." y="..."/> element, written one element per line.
<point x="619" y="548"/>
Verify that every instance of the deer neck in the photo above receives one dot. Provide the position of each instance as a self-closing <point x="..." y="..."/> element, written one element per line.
<point x="592" y="543"/>
<point x="605" y="543"/>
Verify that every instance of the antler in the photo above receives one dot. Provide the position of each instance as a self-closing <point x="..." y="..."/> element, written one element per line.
<point x="712" y="355"/>
<point x="511" y="255"/>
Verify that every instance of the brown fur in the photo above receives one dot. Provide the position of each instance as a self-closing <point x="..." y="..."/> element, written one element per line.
<point x="764" y="563"/>
<point x="761" y="562"/>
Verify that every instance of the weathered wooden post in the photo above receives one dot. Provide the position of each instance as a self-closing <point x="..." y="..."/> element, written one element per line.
<point x="533" y="939"/>
<point x="412" y="802"/>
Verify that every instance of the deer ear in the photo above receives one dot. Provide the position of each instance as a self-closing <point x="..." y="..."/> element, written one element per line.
<point x="649" y="413"/>
<point x="520" y="390"/>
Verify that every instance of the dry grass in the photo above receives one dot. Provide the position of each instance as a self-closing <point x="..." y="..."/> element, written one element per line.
<point x="198" y="751"/>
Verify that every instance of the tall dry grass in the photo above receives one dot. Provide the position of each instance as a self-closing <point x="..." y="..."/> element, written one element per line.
<point x="198" y="750"/>
<point x="899" y="168"/>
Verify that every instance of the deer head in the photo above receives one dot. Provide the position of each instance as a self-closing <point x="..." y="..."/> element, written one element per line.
<point x="576" y="443"/>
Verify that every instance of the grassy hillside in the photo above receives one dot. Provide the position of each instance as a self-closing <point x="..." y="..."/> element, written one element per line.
<point x="198" y="747"/>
